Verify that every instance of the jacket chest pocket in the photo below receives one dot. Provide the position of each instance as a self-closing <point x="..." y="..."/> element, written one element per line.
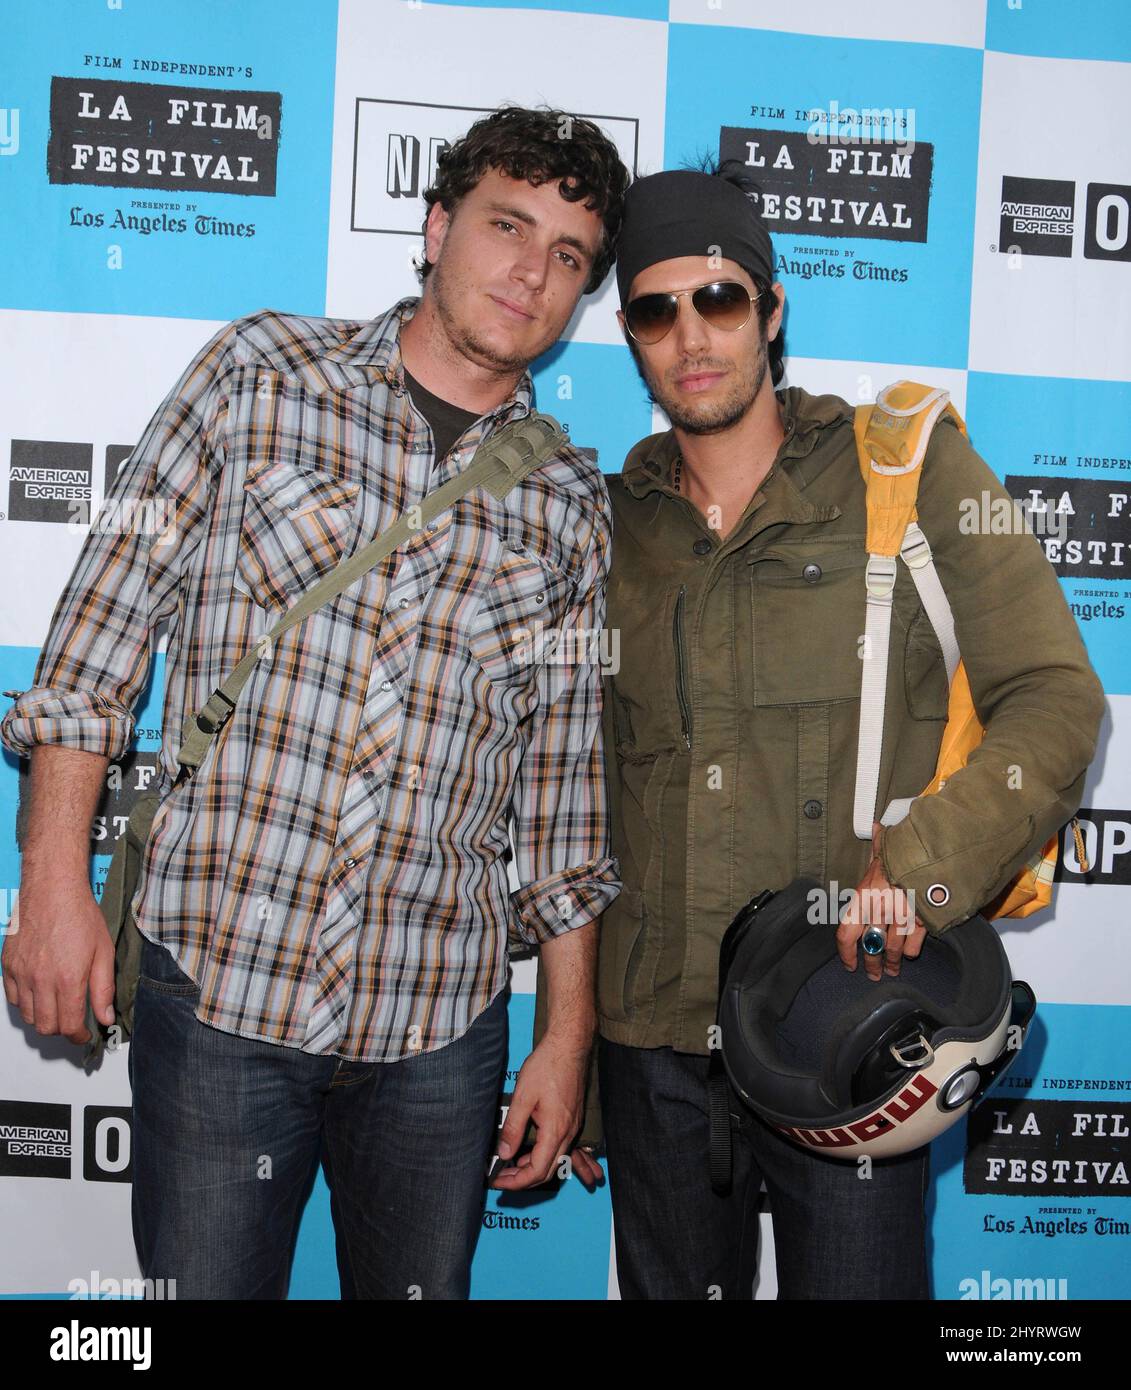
<point x="807" y="608"/>
<point x="295" y="526"/>
<point x="515" y="626"/>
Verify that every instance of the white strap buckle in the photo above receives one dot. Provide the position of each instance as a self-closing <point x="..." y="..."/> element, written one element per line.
<point x="915" y="550"/>
<point x="879" y="578"/>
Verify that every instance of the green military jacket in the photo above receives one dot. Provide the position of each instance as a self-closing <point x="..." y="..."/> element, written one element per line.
<point x="732" y="722"/>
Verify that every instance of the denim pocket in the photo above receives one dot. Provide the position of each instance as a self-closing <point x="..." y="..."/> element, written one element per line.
<point x="160" y="972"/>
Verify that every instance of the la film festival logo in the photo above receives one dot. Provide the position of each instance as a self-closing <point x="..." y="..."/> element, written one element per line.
<point x="153" y="135"/>
<point x="852" y="172"/>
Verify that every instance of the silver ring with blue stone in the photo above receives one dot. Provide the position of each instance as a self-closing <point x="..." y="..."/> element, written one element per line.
<point x="874" y="941"/>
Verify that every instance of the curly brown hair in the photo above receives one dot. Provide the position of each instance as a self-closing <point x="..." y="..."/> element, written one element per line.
<point x="538" y="145"/>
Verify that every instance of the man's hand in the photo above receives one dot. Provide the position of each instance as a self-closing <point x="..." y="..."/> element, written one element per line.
<point x="876" y="903"/>
<point x="550" y="1091"/>
<point x="586" y="1168"/>
<point x="57" y="947"/>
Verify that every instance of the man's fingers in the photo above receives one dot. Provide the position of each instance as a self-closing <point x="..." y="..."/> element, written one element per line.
<point x="102" y="983"/>
<point x="905" y="936"/>
<point x="534" y="1168"/>
<point x="72" y="1010"/>
<point x="848" y="933"/>
<point x="893" y="951"/>
<point x="26" y="1003"/>
<point x="514" y="1127"/>
<point x="46" y="1012"/>
<point x="586" y="1169"/>
<point x="545" y="1153"/>
<point x="520" y="1163"/>
<point x="874" y="964"/>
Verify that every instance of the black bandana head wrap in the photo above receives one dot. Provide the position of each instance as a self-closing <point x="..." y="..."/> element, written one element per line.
<point x="682" y="212"/>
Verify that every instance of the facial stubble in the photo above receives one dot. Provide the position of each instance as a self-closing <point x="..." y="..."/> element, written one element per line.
<point x="464" y="336"/>
<point x="714" y="417"/>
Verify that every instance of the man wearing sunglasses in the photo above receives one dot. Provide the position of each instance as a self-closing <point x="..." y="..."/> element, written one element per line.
<point x="737" y="584"/>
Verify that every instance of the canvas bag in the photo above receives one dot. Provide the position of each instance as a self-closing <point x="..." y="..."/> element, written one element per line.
<point x="891" y="441"/>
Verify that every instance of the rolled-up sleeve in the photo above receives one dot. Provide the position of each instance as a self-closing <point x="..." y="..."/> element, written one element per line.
<point x="560" y="808"/>
<point x="95" y="660"/>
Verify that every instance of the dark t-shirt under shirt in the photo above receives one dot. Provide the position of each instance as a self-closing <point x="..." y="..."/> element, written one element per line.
<point x="446" y="421"/>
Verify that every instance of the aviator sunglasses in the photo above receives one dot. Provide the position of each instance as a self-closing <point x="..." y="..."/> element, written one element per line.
<point x="725" y="304"/>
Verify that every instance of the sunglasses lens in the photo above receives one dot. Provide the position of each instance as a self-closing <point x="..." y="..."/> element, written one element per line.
<point x="725" y="305"/>
<point x="651" y="316"/>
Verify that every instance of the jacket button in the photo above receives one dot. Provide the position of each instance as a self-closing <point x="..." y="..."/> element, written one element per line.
<point x="811" y="573"/>
<point x="813" y="809"/>
<point x="702" y="546"/>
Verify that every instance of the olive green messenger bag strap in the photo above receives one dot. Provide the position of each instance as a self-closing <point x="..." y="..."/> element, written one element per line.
<point x="500" y="463"/>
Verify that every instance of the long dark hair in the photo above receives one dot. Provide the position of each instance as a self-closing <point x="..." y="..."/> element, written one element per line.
<point x="539" y="146"/>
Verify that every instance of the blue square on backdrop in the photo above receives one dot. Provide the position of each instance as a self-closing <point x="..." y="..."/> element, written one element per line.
<point x="1049" y="29"/>
<point x="866" y="153"/>
<point x="1028" y="1208"/>
<point x="1067" y="438"/>
<point x="545" y="1243"/>
<point x="595" y="390"/>
<point x="172" y="160"/>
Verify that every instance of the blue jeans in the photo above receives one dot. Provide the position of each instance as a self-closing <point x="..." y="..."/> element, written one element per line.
<point x="836" y="1235"/>
<point x="228" y="1132"/>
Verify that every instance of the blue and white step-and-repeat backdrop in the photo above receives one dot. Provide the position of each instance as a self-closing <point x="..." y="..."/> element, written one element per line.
<point x="949" y="186"/>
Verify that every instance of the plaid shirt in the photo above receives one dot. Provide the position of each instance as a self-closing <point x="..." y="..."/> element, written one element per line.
<point x="335" y="875"/>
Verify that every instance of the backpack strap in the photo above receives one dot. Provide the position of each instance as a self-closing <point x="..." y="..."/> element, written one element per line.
<point x="891" y="443"/>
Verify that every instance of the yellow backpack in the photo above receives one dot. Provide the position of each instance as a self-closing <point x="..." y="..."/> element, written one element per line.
<point x="891" y="441"/>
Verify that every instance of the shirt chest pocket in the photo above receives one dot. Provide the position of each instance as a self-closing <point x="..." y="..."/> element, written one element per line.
<point x="296" y="522"/>
<point x="806" y="617"/>
<point x="515" y="627"/>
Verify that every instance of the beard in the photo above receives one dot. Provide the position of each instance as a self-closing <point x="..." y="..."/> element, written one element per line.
<point x="714" y="416"/>
<point x="465" y="337"/>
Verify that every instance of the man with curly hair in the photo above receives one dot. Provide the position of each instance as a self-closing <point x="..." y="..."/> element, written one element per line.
<point x="325" y="904"/>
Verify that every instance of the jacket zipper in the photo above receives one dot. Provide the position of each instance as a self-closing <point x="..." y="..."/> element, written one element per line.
<point x="680" y="667"/>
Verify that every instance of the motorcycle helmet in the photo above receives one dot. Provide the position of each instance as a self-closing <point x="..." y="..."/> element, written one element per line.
<point x="844" y="1065"/>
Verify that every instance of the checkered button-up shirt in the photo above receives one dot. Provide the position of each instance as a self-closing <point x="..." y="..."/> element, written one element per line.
<point x="335" y="876"/>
